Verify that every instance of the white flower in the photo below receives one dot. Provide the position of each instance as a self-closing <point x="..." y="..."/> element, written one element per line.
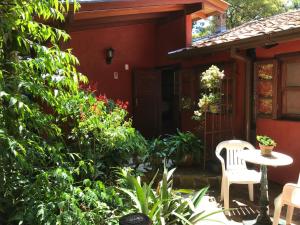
<point x="212" y="77"/>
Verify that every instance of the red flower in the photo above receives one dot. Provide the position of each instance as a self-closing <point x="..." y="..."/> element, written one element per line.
<point x="121" y="104"/>
<point x="91" y="87"/>
<point x="102" y="98"/>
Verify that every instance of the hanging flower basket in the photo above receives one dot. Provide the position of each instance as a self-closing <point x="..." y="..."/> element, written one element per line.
<point x="211" y="96"/>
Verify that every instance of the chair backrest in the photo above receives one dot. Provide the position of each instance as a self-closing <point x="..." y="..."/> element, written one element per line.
<point x="232" y="148"/>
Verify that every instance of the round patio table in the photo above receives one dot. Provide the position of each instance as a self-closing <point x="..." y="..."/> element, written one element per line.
<point x="276" y="159"/>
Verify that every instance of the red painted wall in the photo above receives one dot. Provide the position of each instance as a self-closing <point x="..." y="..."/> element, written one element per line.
<point x="171" y="35"/>
<point x="134" y="45"/>
<point x="286" y="133"/>
<point x="142" y="46"/>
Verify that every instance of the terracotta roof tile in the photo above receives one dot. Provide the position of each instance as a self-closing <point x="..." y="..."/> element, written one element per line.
<point x="277" y="23"/>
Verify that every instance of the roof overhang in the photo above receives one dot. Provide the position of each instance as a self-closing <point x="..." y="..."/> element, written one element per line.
<point x="247" y="43"/>
<point x="105" y="12"/>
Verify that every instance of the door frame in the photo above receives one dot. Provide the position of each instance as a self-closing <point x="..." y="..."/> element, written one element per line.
<point x="176" y="68"/>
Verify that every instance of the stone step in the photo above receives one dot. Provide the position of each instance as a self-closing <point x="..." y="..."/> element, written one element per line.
<point x="191" y="178"/>
<point x="194" y="179"/>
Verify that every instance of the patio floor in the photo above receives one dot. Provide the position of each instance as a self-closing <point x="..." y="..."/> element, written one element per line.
<point x="245" y="211"/>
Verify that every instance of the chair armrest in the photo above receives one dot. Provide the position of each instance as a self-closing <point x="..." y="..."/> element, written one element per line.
<point x="222" y="162"/>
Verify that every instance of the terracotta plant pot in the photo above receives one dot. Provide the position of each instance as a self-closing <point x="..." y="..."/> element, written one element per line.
<point x="266" y="150"/>
<point x="186" y="161"/>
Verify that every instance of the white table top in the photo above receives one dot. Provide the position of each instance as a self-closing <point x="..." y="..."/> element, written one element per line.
<point x="276" y="159"/>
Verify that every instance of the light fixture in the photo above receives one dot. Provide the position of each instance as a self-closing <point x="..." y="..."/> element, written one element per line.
<point x="109" y="55"/>
<point x="269" y="45"/>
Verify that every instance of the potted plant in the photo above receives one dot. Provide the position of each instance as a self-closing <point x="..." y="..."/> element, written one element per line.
<point x="185" y="147"/>
<point x="181" y="148"/>
<point x="266" y="144"/>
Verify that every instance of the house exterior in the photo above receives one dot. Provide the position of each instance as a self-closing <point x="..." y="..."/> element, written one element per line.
<point x="155" y="66"/>
<point x="266" y="58"/>
<point x="141" y="32"/>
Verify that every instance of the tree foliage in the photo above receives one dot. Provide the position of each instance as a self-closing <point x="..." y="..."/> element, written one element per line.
<point x="204" y="28"/>
<point x="294" y="4"/>
<point x="241" y="11"/>
<point x="56" y="139"/>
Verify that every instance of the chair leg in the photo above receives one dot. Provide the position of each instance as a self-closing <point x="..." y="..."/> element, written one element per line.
<point x="226" y="196"/>
<point x="250" y="189"/>
<point x="222" y="189"/>
<point x="277" y="212"/>
<point x="289" y="214"/>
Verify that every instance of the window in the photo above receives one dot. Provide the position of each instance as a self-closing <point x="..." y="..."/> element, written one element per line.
<point x="277" y="87"/>
<point x="290" y="87"/>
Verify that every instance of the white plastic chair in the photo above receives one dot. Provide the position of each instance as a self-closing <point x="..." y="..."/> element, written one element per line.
<point x="290" y="196"/>
<point x="235" y="171"/>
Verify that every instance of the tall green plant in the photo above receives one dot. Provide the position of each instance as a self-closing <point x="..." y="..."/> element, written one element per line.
<point x="53" y="135"/>
<point x="164" y="205"/>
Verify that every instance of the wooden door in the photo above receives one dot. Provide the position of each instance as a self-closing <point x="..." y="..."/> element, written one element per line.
<point x="147" y="102"/>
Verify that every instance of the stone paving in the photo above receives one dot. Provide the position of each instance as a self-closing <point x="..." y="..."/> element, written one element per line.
<point x="244" y="212"/>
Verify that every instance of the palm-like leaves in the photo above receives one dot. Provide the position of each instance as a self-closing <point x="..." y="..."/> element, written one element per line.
<point x="165" y="206"/>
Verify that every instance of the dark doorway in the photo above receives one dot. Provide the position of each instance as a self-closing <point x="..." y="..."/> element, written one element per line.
<point x="156" y="102"/>
<point x="147" y="102"/>
<point x="169" y="102"/>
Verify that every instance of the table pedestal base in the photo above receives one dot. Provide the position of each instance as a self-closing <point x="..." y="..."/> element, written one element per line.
<point x="263" y="217"/>
<point x="263" y="220"/>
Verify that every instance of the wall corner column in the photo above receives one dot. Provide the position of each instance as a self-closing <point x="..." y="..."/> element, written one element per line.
<point x="249" y="68"/>
<point x="188" y="30"/>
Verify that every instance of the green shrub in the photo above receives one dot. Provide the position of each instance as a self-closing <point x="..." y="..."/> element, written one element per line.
<point x="102" y="133"/>
<point x="183" y="143"/>
<point x="58" y="199"/>
<point x="175" y="147"/>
